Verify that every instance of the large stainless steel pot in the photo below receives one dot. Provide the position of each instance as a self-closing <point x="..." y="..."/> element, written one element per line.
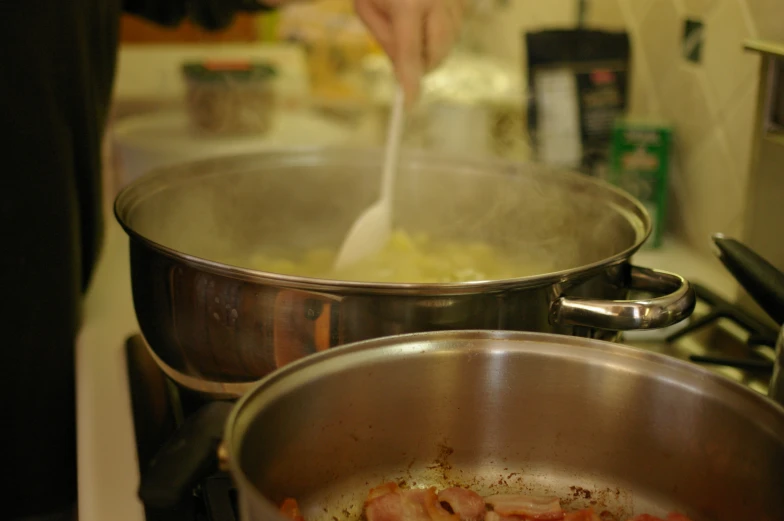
<point x="500" y="412"/>
<point x="217" y="327"/>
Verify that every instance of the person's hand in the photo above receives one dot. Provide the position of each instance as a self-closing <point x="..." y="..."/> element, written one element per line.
<point x="416" y="34"/>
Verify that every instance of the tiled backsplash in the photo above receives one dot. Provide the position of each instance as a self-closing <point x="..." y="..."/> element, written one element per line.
<point x="711" y="102"/>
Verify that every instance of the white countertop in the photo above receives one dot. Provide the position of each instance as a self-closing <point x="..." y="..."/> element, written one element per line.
<point x="108" y="472"/>
<point x="107" y="466"/>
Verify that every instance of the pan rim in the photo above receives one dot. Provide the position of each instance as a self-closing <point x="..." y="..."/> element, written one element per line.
<point x="156" y="179"/>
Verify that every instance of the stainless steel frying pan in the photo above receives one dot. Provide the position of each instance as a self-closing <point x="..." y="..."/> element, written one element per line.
<point x="592" y="422"/>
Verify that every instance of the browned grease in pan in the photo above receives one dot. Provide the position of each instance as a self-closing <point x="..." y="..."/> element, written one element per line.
<point x="612" y="503"/>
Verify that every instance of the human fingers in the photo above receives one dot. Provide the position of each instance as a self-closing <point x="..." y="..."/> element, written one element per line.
<point x="377" y="21"/>
<point x="408" y="31"/>
<point x="441" y="31"/>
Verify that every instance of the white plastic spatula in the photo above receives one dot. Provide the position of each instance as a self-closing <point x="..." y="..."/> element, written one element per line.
<point x="372" y="229"/>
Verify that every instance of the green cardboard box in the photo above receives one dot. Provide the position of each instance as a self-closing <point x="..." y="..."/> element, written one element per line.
<point x="640" y="155"/>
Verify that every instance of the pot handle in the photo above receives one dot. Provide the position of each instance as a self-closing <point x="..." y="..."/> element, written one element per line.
<point x="187" y="457"/>
<point x="763" y="281"/>
<point x="676" y="303"/>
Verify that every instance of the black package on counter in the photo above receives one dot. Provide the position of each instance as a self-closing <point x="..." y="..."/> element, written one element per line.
<point x="577" y="88"/>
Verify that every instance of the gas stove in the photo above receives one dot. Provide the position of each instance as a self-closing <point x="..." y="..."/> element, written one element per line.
<point x="158" y="408"/>
<point x="719" y="336"/>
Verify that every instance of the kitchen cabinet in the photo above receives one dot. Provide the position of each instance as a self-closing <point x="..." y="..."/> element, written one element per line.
<point x="137" y="30"/>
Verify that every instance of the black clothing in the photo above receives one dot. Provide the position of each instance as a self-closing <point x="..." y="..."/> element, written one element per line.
<point x="57" y="62"/>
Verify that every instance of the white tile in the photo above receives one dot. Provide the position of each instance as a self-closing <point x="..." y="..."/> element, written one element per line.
<point x="767" y="17"/>
<point x="713" y="194"/>
<point x="605" y="14"/>
<point x="738" y="125"/>
<point x="683" y="101"/>
<point x="501" y="34"/>
<point x="638" y="9"/>
<point x="642" y="97"/>
<point x="659" y="38"/>
<point x="698" y="8"/>
<point x="728" y="68"/>
<point x="553" y="13"/>
<point x="709" y="104"/>
<point x="642" y="94"/>
<point x="519" y="13"/>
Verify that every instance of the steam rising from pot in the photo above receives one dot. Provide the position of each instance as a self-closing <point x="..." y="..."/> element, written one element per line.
<point x="283" y="203"/>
